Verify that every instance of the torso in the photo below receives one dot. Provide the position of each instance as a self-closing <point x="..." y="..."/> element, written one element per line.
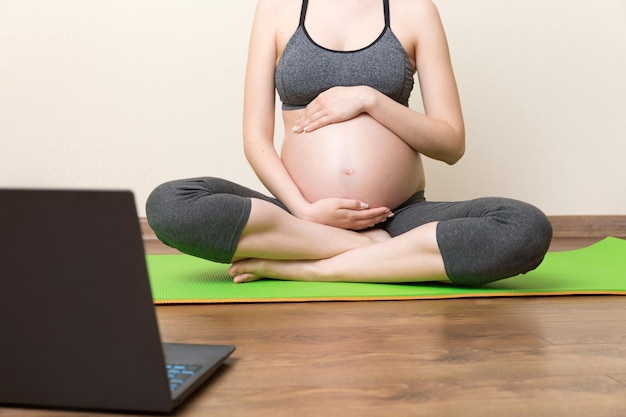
<point x="359" y="158"/>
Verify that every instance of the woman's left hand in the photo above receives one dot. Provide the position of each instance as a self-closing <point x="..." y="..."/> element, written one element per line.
<point x="334" y="105"/>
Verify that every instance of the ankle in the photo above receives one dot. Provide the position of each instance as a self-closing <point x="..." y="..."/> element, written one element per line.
<point x="327" y="270"/>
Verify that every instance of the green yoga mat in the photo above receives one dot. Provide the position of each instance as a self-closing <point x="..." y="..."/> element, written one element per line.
<point x="597" y="269"/>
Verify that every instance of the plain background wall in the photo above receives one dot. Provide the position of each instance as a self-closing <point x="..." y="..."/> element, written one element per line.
<point x="131" y="93"/>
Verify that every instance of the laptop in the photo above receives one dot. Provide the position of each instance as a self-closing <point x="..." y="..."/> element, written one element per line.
<point x="77" y="320"/>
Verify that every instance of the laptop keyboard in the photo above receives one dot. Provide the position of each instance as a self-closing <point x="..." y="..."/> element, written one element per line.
<point x="179" y="373"/>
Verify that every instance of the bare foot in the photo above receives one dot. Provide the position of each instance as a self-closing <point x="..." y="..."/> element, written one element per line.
<point x="249" y="270"/>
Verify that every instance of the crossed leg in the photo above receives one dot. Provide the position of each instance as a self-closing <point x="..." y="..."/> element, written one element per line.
<point x="275" y="244"/>
<point x="481" y="240"/>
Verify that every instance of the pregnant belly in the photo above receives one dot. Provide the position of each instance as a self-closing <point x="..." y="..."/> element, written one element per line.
<point x="359" y="159"/>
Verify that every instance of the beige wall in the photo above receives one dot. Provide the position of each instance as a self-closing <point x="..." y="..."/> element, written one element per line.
<point x="130" y="93"/>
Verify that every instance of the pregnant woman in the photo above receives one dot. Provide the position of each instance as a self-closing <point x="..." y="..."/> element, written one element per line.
<point x="348" y="185"/>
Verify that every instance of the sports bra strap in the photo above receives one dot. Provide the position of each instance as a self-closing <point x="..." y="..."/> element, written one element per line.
<point x="305" y="4"/>
<point x="387" y="19"/>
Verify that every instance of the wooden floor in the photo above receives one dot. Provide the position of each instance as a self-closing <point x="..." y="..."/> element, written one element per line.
<point x="544" y="356"/>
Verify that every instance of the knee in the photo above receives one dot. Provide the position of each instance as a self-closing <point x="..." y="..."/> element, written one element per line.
<point x="161" y="211"/>
<point x="531" y="235"/>
<point x="170" y="200"/>
<point x="158" y="198"/>
<point x="171" y="205"/>
<point x="202" y="217"/>
<point x="535" y="229"/>
<point x="509" y="238"/>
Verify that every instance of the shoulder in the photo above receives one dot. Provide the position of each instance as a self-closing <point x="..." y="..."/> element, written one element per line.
<point x="414" y="5"/>
<point x="414" y="11"/>
<point x="413" y="21"/>
<point x="276" y="10"/>
<point x="264" y="6"/>
<point x="278" y="18"/>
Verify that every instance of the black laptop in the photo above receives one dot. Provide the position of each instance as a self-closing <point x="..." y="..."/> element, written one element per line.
<point x="77" y="322"/>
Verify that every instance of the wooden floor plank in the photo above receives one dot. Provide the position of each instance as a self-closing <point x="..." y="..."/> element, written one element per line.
<point x="514" y="357"/>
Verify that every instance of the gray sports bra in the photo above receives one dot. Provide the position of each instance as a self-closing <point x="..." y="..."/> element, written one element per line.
<point x="307" y="69"/>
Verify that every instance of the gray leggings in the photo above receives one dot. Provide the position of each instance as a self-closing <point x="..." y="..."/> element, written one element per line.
<point x="481" y="240"/>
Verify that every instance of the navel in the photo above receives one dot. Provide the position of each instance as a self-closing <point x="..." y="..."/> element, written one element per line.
<point x="348" y="171"/>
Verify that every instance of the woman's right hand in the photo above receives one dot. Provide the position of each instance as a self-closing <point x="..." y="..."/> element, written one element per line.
<point x="345" y="213"/>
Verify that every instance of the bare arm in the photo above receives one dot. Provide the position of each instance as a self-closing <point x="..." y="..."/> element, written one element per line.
<point x="258" y="115"/>
<point x="440" y="133"/>
<point x="258" y="133"/>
